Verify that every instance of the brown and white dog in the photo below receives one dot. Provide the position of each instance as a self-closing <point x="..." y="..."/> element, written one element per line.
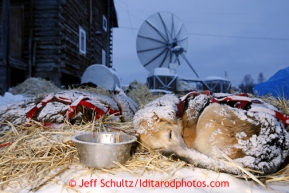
<point x="207" y="130"/>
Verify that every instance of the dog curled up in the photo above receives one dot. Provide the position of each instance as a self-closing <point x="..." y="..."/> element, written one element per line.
<point x="204" y="129"/>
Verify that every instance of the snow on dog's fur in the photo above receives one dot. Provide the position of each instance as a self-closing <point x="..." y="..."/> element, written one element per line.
<point x="253" y="140"/>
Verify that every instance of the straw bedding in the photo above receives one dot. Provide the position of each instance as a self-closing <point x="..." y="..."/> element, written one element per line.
<point x="31" y="156"/>
<point x="35" y="87"/>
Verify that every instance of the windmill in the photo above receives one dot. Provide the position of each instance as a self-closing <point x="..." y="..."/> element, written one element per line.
<point x="161" y="45"/>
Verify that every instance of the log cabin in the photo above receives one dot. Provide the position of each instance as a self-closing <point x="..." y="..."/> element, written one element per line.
<point x="54" y="39"/>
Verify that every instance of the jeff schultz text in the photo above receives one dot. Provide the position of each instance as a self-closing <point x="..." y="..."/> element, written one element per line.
<point x="149" y="183"/>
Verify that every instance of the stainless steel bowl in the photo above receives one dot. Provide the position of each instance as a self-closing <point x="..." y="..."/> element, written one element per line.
<point x="101" y="149"/>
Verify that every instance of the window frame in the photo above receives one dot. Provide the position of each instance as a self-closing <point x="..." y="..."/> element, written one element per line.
<point x="104" y="23"/>
<point x="82" y="33"/>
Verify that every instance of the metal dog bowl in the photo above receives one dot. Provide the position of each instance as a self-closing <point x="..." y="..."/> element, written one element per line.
<point x="101" y="149"/>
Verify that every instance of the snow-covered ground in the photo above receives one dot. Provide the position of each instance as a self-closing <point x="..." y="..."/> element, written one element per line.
<point x="79" y="179"/>
<point x="10" y="98"/>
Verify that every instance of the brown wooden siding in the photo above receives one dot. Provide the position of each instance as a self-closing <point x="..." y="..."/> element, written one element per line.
<point x="47" y="36"/>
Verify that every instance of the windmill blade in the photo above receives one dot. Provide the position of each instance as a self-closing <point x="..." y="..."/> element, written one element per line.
<point x="165" y="58"/>
<point x="153" y="39"/>
<point x="165" y="27"/>
<point x="156" y="29"/>
<point x="183" y="39"/>
<point x="151" y="49"/>
<point x="154" y="58"/>
<point x="173" y="27"/>
<point x="156" y="37"/>
<point x="179" y="31"/>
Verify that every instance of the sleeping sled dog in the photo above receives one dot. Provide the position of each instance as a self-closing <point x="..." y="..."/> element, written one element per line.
<point x="210" y="130"/>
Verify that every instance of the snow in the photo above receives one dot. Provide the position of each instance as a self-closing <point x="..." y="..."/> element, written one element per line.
<point x="215" y="78"/>
<point x="100" y="101"/>
<point x="264" y="150"/>
<point x="80" y="173"/>
<point x="186" y="86"/>
<point x="157" y="91"/>
<point x="160" y="71"/>
<point x="9" y="98"/>
<point x="198" y="105"/>
<point x="152" y="116"/>
<point x="127" y="105"/>
<point x="46" y="112"/>
<point x="212" y="138"/>
<point x="167" y="106"/>
<point x="166" y="100"/>
<point x="13" y="102"/>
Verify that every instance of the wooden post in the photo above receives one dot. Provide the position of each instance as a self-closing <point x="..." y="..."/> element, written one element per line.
<point x="4" y="49"/>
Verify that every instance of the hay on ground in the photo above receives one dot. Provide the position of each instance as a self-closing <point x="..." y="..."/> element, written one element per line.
<point x="35" y="152"/>
<point x="141" y="94"/>
<point x="35" y="87"/>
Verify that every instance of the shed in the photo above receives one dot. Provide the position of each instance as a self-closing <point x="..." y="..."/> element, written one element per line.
<point x="162" y="78"/>
<point x="217" y="84"/>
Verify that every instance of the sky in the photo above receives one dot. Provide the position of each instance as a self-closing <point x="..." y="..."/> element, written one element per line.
<point x="233" y="37"/>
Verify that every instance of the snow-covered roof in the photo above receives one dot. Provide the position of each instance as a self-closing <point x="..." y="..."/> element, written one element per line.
<point x="215" y="78"/>
<point x="161" y="72"/>
<point x="189" y="79"/>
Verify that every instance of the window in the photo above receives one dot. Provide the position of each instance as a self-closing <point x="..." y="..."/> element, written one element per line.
<point x="103" y="57"/>
<point x="104" y="23"/>
<point x="82" y="41"/>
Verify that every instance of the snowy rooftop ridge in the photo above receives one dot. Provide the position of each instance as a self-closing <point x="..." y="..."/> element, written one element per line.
<point x="215" y="78"/>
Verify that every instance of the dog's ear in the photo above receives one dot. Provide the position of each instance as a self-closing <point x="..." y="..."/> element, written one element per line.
<point x="156" y="117"/>
<point x="170" y="122"/>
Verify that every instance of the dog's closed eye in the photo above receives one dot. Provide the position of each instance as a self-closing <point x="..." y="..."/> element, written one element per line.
<point x="170" y="134"/>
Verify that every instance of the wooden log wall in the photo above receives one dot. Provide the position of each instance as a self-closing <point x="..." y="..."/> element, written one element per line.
<point x="51" y="36"/>
<point x="75" y="15"/>
<point x="89" y="15"/>
<point x="42" y="32"/>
